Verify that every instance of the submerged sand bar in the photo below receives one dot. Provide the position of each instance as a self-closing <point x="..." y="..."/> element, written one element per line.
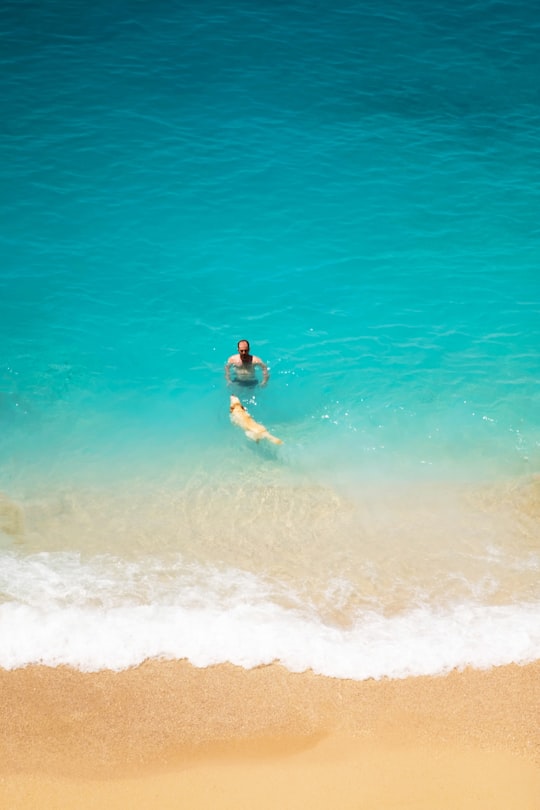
<point x="166" y="735"/>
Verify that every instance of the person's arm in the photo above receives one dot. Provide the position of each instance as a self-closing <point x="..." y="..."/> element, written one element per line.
<point x="228" y="370"/>
<point x="266" y="374"/>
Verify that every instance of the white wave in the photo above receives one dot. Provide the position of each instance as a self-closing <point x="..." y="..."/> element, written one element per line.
<point x="419" y="642"/>
<point x="110" y="613"/>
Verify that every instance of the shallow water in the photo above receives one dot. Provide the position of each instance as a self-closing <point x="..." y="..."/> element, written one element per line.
<point x="351" y="190"/>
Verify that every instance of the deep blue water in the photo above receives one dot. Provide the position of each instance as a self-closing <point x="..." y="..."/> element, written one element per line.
<point x="351" y="186"/>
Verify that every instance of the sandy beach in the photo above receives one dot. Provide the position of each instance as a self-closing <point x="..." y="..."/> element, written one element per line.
<point x="168" y="735"/>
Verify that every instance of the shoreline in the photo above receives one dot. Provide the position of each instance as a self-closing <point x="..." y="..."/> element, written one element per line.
<point x="167" y="728"/>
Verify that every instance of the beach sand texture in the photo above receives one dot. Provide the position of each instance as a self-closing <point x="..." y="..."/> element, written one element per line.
<point x="168" y="735"/>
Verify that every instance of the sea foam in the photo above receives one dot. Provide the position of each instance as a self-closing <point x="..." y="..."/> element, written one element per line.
<point x="235" y="617"/>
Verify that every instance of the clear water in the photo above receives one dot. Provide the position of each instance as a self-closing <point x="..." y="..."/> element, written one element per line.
<point x="353" y="189"/>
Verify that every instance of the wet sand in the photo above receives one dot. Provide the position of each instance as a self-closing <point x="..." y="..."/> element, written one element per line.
<point x="168" y="735"/>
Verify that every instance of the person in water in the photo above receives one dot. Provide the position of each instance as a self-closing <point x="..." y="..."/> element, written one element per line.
<point x="243" y="365"/>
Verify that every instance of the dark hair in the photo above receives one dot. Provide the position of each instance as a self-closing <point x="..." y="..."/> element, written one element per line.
<point x="242" y="341"/>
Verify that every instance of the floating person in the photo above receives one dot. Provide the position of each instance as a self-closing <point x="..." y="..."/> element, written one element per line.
<point x="243" y="366"/>
<point x="253" y="430"/>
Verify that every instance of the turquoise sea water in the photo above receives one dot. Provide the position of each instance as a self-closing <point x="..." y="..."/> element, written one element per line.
<point x="352" y="187"/>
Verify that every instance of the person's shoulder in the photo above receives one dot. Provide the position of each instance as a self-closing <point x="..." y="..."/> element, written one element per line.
<point x="233" y="358"/>
<point x="257" y="360"/>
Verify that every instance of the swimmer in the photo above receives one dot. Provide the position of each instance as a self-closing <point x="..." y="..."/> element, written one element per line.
<point x="244" y="365"/>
